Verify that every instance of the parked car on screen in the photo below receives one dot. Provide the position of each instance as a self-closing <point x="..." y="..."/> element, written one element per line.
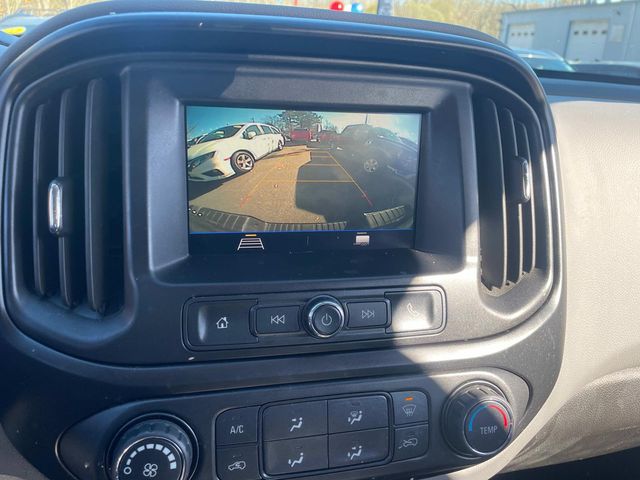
<point x="378" y="149"/>
<point x="300" y="135"/>
<point x="231" y="150"/>
<point x="195" y="140"/>
<point x="279" y="138"/>
<point x="327" y="137"/>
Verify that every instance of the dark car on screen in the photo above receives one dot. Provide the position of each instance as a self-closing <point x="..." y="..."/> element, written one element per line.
<point x="327" y="137"/>
<point x="300" y="135"/>
<point x="378" y="149"/>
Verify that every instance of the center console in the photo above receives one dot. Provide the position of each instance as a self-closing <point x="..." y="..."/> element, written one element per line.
<point x="275" y="247"/>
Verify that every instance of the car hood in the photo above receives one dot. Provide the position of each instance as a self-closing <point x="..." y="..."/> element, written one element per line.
<point x="204" y="148"/>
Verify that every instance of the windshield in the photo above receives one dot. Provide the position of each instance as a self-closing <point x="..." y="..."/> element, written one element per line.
<point x="384" y="133"/>
<point x="599" y="36"/>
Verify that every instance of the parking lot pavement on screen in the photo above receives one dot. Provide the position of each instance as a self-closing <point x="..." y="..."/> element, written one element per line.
<point x="298" y="185"/>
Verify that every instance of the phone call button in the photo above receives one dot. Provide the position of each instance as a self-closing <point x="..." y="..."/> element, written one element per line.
<point x="416" y="311"/>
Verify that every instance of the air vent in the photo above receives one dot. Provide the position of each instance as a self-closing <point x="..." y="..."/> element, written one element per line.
<point x="74" y="157"/>
<point x="509" y="160"/>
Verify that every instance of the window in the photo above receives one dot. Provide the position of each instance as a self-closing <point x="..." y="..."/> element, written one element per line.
<point x="565" y="32"/>
<point x="220" y="133"/>
<point x="384" y="133"/>
<point x="251" y="128"/>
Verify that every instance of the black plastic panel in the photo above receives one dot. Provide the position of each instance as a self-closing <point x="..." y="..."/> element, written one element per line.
<point x="86" y="443"/>
<point x="166" y="275"/>
<point x="233" y="323"/>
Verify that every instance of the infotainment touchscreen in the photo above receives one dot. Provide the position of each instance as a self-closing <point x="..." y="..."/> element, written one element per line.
<point x="300" y="180"/>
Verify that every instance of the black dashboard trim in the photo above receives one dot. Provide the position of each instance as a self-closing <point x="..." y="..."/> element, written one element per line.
<point x="76" y="389"/>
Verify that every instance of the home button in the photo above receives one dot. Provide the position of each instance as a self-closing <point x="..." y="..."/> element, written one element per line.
<point x="219" y="323"/>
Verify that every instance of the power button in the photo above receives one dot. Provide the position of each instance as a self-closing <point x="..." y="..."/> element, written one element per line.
<point x="324" y="316"/>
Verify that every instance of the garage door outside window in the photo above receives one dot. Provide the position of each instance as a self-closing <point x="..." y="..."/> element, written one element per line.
<point x="521" y="35"/>
<point x="587" y="40"/>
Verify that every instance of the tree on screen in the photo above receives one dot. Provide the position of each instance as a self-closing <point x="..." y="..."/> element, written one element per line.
<point x="272" y="120"/>
<point x="290" y="119"/>
<point x="299" y="119"/>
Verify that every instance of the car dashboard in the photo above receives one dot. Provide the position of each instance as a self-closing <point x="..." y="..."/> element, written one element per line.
<point x="276" y="299"/>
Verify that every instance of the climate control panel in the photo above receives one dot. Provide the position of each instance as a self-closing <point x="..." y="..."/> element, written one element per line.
<point x="321" y="435"/>
<point x="349" y="430"/>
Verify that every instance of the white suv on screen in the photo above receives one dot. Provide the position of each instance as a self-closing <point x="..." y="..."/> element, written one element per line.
<point x="231" y="150"/>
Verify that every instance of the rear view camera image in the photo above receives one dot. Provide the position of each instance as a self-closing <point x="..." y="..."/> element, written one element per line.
<point x="259" y="170"/>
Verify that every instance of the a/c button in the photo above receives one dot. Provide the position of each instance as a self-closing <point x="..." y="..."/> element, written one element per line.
<point x="237" y="426"/>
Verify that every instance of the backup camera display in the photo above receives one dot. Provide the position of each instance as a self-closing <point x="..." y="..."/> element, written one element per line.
<point x="350" y="177"/>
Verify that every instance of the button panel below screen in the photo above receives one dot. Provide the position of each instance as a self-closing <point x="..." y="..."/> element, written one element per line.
<point x="236" y="325"/>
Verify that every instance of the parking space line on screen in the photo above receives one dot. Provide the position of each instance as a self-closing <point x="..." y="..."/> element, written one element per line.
<point x="319" y="165"/>
<point x="315" y="157"/>
<point x="244" y="201"/>
<point x="312" y="181"/>
<point x="364" y="194"/>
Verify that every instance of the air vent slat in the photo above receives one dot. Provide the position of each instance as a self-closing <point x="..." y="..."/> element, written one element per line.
<point x="528" y="209"/>
<point x="514" y="210"/>
<point x="44" y="170"/>
<point x="95" y="181"/>
<point x="70" y="171"/>
<point x="493" y="230"/>
<point x="507" y="156"/>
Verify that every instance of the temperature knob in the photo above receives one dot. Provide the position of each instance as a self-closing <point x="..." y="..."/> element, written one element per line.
<point x="478" y="420"/>
<point x="152" y="450"/>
